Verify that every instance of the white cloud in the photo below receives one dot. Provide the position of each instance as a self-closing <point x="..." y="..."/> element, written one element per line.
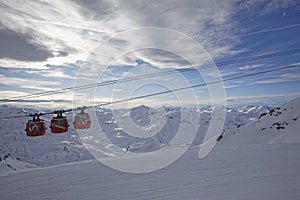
<point x="291" y="76"/>
<point x="268" y="99"/>
<point x="7" y="93"/>
<point x="76" y="28"/>
<point x="51" y="73"/>
<point x="267" y="7"/>
<point x="279" y="80"/>
<point x="71" y="30"/>
<point x="49" y="26"/>
<point x="247" y="67"/>
<point x="25" y="82"/>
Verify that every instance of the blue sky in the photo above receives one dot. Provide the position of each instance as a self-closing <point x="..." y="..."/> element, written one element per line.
<point x="48" y="45"/>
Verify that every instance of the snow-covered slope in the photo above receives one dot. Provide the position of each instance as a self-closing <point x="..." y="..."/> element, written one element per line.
<point x="16" y="148"/>
<point x="279" y="125"/>
<point x="56" y="149"/>
<point x="265" y="172"/>
<point x="258" y="158"/>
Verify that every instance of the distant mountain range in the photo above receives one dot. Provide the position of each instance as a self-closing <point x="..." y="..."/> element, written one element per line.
<point x="243" y="125"/>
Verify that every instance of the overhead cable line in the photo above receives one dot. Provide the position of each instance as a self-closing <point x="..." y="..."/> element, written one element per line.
<point x="199" y="85"/>
<point x="40" y="114"/>
<point x="141" y="77"/>
<point x="168" y="91"/>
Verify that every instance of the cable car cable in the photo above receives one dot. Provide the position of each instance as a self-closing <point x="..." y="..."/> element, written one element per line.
<point x="40" y="114"/>
<point x="105" y="83"/>
<point x="199" y="85"/>
<point x="165" y="92"/>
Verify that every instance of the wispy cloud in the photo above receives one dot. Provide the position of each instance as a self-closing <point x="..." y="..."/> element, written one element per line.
<point x="43" y="38"/>
<point x="247" y="67"/>
<point x="269" y="99"/>
<point x="75" y="27"/>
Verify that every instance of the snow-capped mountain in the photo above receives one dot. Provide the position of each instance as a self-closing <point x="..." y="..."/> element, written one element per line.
<point x="278" y="125"/>
<point x="256" y="122"/>
<point x="254" y="160"/>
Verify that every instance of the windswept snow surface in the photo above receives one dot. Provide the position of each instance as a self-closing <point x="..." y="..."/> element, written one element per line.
<point x="258" y="158"/>
<point x="241" y="172"/>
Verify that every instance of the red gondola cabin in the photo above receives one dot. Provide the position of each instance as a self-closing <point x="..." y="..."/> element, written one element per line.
<point x="59" y="124"/>
<point x="82" y="120"/>
<point x="35" y="127"/>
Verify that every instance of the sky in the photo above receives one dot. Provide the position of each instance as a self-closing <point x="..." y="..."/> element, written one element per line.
<point x="50" y="45"/>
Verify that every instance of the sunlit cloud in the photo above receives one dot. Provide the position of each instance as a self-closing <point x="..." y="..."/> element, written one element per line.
<point x="62" y="38"/>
